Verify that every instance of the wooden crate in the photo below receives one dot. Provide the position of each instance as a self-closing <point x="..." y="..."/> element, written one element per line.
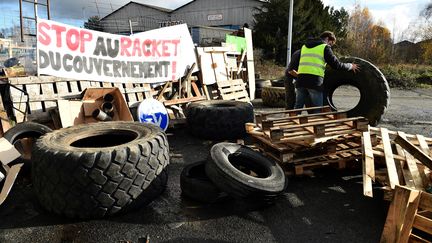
<point x="402" y="167"/>
<point x="409" y="218"/>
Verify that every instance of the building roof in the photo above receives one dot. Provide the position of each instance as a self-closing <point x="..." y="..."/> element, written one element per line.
<point x="184" y="5"/>
<point x="165" y="10"/>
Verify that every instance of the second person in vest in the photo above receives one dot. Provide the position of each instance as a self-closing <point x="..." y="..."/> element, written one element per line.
<point x="314" y="56"/>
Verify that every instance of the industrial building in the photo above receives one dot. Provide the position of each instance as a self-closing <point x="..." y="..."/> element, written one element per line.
<point x="208" y="20"/>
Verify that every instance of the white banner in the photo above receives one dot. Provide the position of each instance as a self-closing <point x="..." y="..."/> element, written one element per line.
<point x="154" y="56"/>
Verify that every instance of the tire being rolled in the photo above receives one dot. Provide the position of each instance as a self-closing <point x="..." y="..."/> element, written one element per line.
<point x="244" y="173"/>
<point x="99" y="169"/>
<point x="373" y="87"/>
<point x="219" y="119"/>
<point x="273" y="96"/>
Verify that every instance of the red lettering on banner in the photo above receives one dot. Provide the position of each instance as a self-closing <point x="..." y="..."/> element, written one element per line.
<point x="125" y="43"/>
<point x="165" y="52"/>
<point x="175" y="42"/>
<point x="155" y="48"/>
<point x="73" y="39"/>
<point x="85" y="36"/>
<point x="136" y="48"/>
<point x="43" y="37"/>
<point x="146" y="48"/>
<point x="58" y="29"/>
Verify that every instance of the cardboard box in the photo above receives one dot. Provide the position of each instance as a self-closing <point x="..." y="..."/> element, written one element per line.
<point x="74" y="112"/>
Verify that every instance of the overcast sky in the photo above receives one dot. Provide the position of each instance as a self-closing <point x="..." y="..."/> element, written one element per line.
<point x="396" y="14"/>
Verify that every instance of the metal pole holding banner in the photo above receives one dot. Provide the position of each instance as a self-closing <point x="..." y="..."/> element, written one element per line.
<point x="130" y="26"/>
<point x="290" y="23"/>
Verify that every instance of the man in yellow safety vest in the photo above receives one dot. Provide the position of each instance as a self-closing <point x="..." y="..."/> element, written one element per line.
<point x="309" y="71"/>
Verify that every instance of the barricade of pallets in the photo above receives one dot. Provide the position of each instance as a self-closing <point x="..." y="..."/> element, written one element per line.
<point x="396" y="159"/>
<point x="302" y="141"/>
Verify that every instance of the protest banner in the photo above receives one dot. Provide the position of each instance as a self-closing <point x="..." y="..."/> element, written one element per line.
<point x="154" y="56"/>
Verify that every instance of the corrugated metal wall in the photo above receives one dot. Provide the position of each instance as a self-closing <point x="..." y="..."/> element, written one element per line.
<point x="217" y="13"/>
<point x="224" y="13"/>
<point x="143" y="19"/>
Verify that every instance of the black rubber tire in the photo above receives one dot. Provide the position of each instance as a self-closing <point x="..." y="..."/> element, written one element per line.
<point x="224" y="169"/>
<point x="278" y="83"/>
<point x="273" y="96"/>
<point x="290" y="95"/>
<point x="25" y="130"/>
<point x="373" y="87"/>
<point x="219" y="119"/>
<point x="259" y="84"/>
<point x="96" y="170"/>
<point x="195" y="184"/>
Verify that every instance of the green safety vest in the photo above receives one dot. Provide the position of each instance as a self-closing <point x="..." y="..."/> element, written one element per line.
<point x="312" y="60"/>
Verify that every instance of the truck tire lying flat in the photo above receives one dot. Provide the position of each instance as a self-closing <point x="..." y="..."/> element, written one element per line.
<point x="96" y="170"/>
<point x="373" y="87"/>
<point x="244" y="173"/>
<point x="219" y="119"/>
<point x="273" y="96"/>
<point x="195" y="184"/>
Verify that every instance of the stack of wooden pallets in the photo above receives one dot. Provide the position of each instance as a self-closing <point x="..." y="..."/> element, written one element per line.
<point x="396" y="159"/>
<point x="298" y="141"/>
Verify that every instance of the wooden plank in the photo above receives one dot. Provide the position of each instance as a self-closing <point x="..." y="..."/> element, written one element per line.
<point x="426" y="201"/>
<point x="417" y="239"/>
<point x="48" y="90"/>
<point x="422" y="223"/>
<point x="423" y="145"/>
<point x="34" y="90"/>
<point x="182" y="100"/>
<point x="84" y="85"/>
<point x="393" y="134"/>
<point x="368" y="165"/>
<point x="412" y="167"/>
<point x="416" y="152"/>
<point x="395" y="215"/>
<point x="74" y="87"/>
<point x="131" y="97"/>
<point x="250" y="62"/>
<point x="410" y="216"/>
<point x="391" y="167"/>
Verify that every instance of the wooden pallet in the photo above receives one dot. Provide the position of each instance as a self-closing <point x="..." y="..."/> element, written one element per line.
<point x="233" y="90"/>
<point x="44" y="91"/>
<point x="290" y="127"/>
<point x="404" y="167"/>
<point x="409" y="218"/>
<point x="346" y="147"/>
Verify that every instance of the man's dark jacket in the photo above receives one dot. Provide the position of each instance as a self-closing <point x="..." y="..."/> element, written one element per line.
<point x="313" y="81"/>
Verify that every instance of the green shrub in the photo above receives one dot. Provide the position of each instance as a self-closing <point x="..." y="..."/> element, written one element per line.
<point x="407" y="76"/>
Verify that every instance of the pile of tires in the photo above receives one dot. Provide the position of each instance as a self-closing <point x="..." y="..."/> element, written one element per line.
<point x="219" y="119"/>
<point x="233" y="170"/>
<point x="100" y="169"/>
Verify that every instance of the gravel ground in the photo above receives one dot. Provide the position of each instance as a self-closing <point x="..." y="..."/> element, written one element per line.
<point x="324" y="206"/>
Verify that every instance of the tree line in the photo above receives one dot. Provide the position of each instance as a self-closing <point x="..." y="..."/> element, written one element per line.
<point x="357" y="32"/>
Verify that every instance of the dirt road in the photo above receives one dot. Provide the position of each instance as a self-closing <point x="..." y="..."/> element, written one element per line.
<point x="327" y="206"/>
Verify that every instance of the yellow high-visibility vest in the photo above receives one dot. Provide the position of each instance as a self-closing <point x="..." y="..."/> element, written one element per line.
<point x="312" y="60"/>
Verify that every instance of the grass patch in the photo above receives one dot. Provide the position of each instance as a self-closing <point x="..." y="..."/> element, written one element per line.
<point x="408" y="76"/>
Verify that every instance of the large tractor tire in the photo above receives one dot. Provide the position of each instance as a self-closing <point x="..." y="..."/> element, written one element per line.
<point x="219" y="119"/>
<point x="273" y="96"/>
<point x="373" y="87"/>
<point x="96" y="170"/>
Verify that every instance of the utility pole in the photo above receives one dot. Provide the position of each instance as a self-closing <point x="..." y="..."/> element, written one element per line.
<point x="290" y="21"/>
